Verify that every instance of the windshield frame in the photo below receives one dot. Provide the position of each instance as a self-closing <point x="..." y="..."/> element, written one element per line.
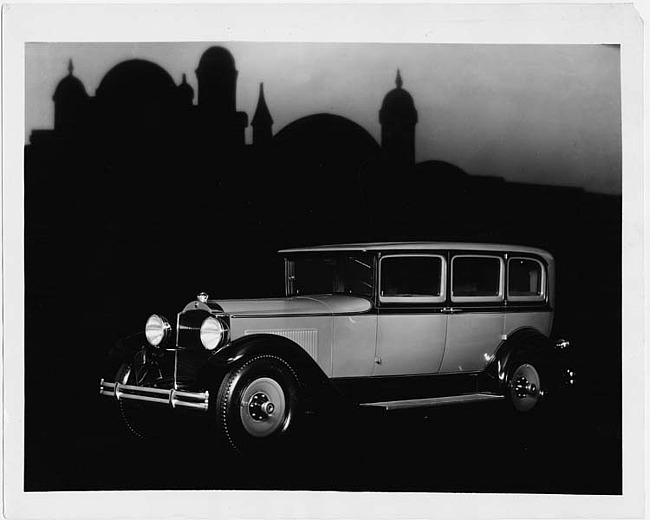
<point x="369" y="260"/>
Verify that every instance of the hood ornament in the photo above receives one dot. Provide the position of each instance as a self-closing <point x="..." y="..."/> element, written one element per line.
<point x="202" y="297"/>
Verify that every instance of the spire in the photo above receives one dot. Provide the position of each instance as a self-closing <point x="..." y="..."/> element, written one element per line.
<point x="262" y="114"/>
<point x="70" y="67"/>
<point x="262" y="121"/>
<point x="398" y="80"/>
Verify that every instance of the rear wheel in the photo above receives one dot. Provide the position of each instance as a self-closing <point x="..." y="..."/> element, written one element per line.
<point x="257" y="404"/>
<point x="524" y="389"/>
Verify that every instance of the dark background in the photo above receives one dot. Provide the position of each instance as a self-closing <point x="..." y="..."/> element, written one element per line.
<point x="139" y="199"/>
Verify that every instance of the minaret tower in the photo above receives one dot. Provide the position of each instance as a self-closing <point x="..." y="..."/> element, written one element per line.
<point x="70" y="103"/>
<point x="398" y="118"/>
<point x="217" y="100"/>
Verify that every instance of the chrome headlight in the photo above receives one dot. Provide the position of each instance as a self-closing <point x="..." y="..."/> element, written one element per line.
<point x="157" y="330"/>
<point x="213" y="332"/>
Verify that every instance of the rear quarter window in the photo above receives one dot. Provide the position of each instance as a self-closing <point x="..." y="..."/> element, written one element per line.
<point x="526" y="279"/>
<point x="477" y="278"/>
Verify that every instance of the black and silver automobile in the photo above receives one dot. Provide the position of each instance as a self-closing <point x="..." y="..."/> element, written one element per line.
<point x="388" y="325"/>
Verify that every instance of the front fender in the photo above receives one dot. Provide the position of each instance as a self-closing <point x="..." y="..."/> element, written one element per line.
<point x="309" y="373"/>
<point x="121" y="352"/>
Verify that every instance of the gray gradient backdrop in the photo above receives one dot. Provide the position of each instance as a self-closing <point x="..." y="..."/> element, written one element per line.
<point x="531" y="113"/>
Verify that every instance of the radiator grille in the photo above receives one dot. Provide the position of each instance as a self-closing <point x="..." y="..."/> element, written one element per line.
<point x="306" y="338"/>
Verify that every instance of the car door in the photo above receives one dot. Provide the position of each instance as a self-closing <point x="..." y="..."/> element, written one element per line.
<point x="475" y="310"/>
<point x="411" y="325"/>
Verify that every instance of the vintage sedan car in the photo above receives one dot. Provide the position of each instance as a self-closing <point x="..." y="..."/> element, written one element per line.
<point x="388" y="325"/>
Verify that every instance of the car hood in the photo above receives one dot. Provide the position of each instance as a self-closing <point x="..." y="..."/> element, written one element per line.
<point x="297" y="305"/>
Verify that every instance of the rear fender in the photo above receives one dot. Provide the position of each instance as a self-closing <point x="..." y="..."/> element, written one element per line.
<point x="526" y="342"/>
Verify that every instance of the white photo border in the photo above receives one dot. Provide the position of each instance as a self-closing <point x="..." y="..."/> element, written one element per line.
<point x="431" y="23"/>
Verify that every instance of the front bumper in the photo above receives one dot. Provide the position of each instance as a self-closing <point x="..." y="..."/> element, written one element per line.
<point x="172" y="398"/>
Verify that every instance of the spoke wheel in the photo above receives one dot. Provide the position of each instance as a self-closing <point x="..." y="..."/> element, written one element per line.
<point x="144" y="422"/>
<point x="129" y="411"/>
<point x="524" y="387"/>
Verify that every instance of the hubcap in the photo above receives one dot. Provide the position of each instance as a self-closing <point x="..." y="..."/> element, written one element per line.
<point x="525" y="387"/>
<point x="262" y="409"/>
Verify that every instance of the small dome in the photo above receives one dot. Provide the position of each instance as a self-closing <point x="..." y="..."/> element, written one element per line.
<point x="186" y="91"/>
<point x="218" y="58"/>
<point x="70" y="87"/>
<point x="398" y="99"/>
<point x="398" y="103"/>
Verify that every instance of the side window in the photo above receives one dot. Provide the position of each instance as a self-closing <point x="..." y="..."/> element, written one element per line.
<point x="412" y="278"/>
<point x="526" y="280"/>
<point x="477" y="278"/>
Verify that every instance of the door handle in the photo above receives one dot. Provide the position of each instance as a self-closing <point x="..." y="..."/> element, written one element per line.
<point x="451" y="310"/>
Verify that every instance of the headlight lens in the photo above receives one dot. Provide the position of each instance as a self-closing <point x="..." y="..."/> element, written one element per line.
<point x="212" y="332"/>
<point x="156" y="330"/>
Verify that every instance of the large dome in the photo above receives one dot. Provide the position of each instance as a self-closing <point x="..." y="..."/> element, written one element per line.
<point x="136" y="101"/>
<point x="319" y="160"/>
<point x="322" y="135"/>
<point x="217" y="58"/>
<point x="135" y="79"/>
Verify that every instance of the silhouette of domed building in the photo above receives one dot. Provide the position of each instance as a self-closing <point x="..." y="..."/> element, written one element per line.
<point x="145" y="131"/>
<point x="138" y="101"/>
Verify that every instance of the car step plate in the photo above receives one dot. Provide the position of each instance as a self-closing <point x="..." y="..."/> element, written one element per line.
<point x="436" y="401"/>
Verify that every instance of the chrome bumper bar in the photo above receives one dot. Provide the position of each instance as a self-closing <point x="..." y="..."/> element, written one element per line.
<point x="172" y="398"/>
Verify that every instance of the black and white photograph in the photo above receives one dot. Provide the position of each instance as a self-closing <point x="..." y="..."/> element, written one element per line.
<point x="309" y="264"/>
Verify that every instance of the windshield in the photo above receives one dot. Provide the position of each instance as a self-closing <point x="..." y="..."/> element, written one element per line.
<point x="343" y="273"/>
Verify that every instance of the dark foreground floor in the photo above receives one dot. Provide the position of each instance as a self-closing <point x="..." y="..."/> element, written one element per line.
<point x="576" y="448"/>
<point x="74" y="439"/>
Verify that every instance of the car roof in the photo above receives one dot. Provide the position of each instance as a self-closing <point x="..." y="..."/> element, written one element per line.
<point x="419" y="246"/>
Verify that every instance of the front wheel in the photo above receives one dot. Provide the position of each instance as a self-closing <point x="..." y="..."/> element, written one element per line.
<point x="524" y="389"/>
<point x="257" y="403"/>
<point x="133" y="414"/>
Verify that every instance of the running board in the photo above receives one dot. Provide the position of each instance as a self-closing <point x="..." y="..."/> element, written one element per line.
<point x="436" y="401"/>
